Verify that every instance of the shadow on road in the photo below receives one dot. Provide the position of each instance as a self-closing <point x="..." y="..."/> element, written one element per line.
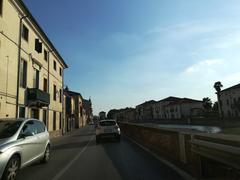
<point x="134" y="163"/>
<point x="82" y="135"/>
<point x="72" y="145"/>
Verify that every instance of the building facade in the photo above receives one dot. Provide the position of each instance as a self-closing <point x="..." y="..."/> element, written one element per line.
<point x="126" y="115"/>
<point x="184" y="108"/>
<point x="102" y="115"/>
<point x="87" y="106"/>
<point x="144" y="111"/>
<point x="230" y="102"/>
<point x="159" y="108"/>
<point x="31" y="69"/>
<point x="74" y="111"/>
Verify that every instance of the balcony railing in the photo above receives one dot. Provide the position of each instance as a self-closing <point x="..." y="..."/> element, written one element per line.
<point x="37" y="97"/>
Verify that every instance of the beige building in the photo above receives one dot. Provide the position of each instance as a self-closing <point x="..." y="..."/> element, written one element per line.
<point x="74" y="112"/>
<point x="230" y="100"/>
<point x="31" y="69"/>
<point x="184" y="108"/>
<point x="126" y="115"/>
<point x="159" y="107"/>
<point x="144" y="111"/>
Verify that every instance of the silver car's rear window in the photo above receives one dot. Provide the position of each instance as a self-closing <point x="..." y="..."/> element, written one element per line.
<point x="9" y="128"/>
<point x="107" y="123"/>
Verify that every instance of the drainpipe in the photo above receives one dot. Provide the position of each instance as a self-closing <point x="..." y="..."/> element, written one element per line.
<point x="19" y="60"/>
<point x="63" y="114"/>
<point x="48" y="57"/>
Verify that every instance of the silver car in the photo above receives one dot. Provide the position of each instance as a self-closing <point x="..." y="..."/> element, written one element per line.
<point x="22" y="142"/>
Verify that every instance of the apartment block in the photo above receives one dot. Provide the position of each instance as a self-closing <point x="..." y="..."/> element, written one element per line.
<point x="230" y="100"/>
<point x="31" y="68"/>
<point x="184" y="108"/>
<point x="144" y="111"/>
<point x="159" y="108"/>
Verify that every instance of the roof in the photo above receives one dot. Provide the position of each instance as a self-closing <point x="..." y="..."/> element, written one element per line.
<point x="33" y="20"/>
<point x="72" y="93"/>
<point x="184" y="101"/>
<point x="147" y="102"/>
<point x="171" y="98"/>
<point x="232" y="87"/>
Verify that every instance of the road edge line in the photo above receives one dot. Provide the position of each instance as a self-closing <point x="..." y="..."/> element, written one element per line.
<point x="181" y="172"/>
<point x="59" y="175"/>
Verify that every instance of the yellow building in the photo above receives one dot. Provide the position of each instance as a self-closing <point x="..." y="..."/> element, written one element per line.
<point x="31" y="69"/>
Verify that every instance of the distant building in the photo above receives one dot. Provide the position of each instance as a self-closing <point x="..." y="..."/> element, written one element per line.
<point x="102" y="115"/>
<point x="126" y="115"/>
<point x="159" y="108"/>
<point x="87" y="106"/>
<point x="74" y="109"/>
<point x="230" y="100"/>
<point x="184" y="108"/>
<point x="144" y="111"/>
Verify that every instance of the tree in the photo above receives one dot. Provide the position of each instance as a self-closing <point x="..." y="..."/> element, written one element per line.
<point x="215" y="107"/>
<point x="207" y="104"/>
<point x="218" y="85"/>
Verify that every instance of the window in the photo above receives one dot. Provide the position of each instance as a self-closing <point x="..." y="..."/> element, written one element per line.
<point x="55" y="65"/>
<point x="54" y="92"/>
<point x="227" y="102"/>
<point x="36" y="79"/>
<point x="8" y="128"/>
<point x="23" y="74"/>
<point x="39" y="126"/>
<point x="38" y="46"/>
<point x="45" y="116"/>
<point x="25" y="32"/>
<point x="35" y="113"/>
<point x="22" y="112"/>
<point x="45" y="84"/>
<point x="45" y="55"/>
<point x="29" y="128"/>
<point x="60" y="71"/>
<point x="81" y="111"/>
<point x="54" y="120"/>
<point x="60" y="120"/>
<point x="1" y="7"/>
<point x="60" y="95"/>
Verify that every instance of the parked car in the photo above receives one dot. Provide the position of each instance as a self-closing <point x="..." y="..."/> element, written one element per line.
<point x="22" y="142"/>
<point x="107" y="129"/>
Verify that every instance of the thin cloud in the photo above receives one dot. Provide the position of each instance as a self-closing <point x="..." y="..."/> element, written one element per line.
<point x="201" y="66"/>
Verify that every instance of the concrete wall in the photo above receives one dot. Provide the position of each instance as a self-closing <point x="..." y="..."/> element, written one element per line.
<point x="197" y="154"/>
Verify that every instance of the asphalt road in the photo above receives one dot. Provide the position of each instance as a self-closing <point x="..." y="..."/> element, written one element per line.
<point x="77" y="157"/>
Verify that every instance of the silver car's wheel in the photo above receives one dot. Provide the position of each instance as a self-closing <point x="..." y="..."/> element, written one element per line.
<point x="46" y="157"/>
<point x="12" y="168"/>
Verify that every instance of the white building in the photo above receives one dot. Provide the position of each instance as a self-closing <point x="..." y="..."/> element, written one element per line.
<point x="230" y="100"/>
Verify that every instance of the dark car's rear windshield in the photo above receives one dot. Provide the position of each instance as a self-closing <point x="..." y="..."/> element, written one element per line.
<point x="9" y="128"/>
<point x="107" y="123"/>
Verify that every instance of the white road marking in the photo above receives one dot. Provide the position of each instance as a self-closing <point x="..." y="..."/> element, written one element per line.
<point x="182" y="173"/>
<point x="59" y="175"/>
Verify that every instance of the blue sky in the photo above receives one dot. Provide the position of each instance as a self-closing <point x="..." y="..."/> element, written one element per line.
<point x="122" y="53"/>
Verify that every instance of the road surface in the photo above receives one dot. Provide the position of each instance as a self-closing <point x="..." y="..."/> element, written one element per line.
<point x="77" y="157"/>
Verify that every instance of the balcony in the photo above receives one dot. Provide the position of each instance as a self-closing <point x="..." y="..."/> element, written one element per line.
<point x="37" y="97"/>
